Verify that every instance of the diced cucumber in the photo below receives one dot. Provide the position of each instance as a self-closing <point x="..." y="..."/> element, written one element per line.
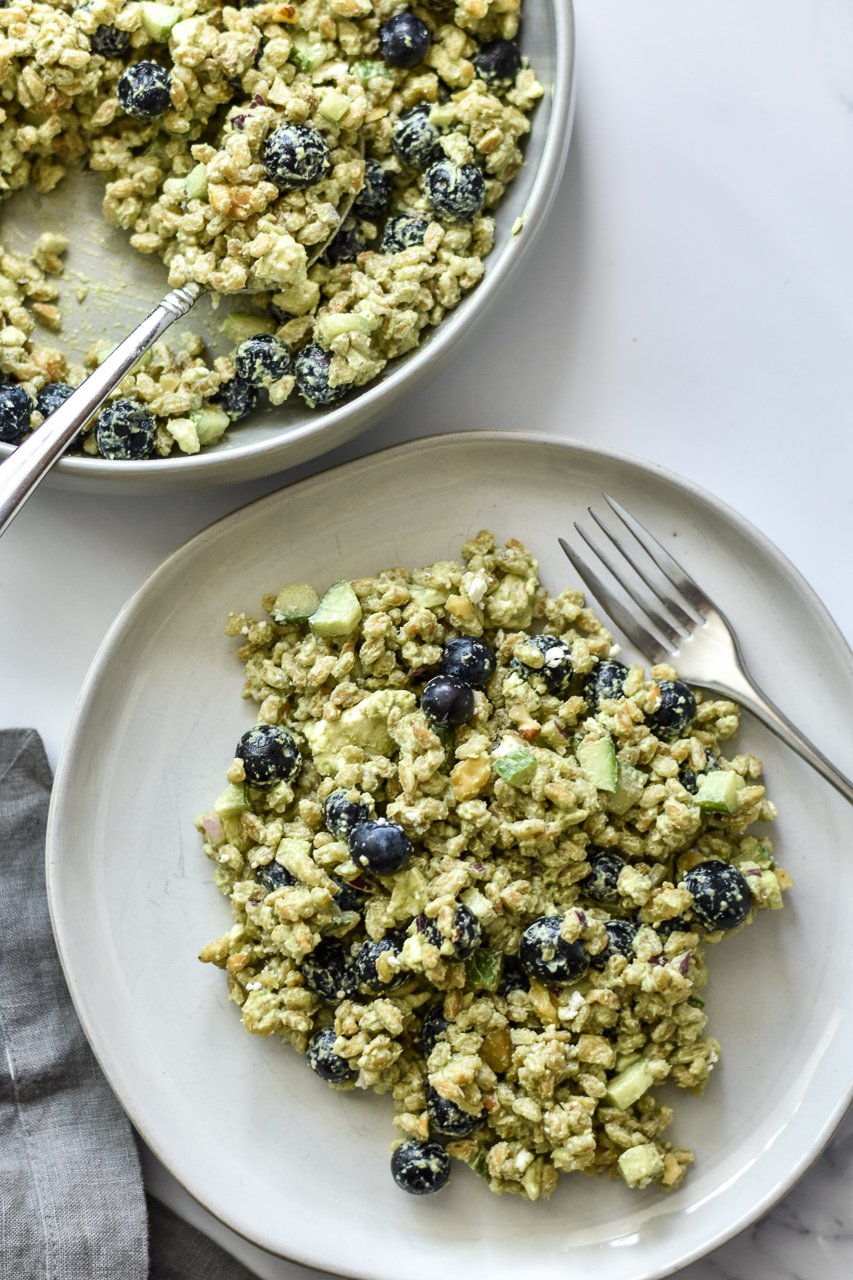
<point x="183" y="432"/>
<point x="515" y="767"/>
<point x="307" y="54"/>
<point x="641" y="1165"/>
<point x="368" y="70"/>
<point x="479" y="1164"/>
<point x="630" y="785"/>
<point x="187" y="30"/>
<point x="510" y="605"/>
<point x="719" y="792"/>
<point x="240" y="325"/>
<point x="483" y="970"/>
<point x="478" y="904"/>
<point x="101" y="350"/>
<point x="442" y="114"/>
<point x="195" y="183"/>
<point x="211" y="423"/>
<point x="159" y="19"/>
<point x="427" y="597"/>
<point x="332" y="326"/>
<point x="553" y="736"/>
<point x="295" y="603"/>
<point x="338" y="613"/>
<point x="624" y="1089"/>
<point x="597" y="758"/>
<point x="231" y="802"/>
<point x="333" y="105"/>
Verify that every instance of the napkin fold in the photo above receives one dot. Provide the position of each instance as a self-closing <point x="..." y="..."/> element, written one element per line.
<point x="72" y="1201"/>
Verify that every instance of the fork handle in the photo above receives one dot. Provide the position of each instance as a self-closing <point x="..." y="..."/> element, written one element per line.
<point x="749" y="695"/>
<point x="33" y="458"/>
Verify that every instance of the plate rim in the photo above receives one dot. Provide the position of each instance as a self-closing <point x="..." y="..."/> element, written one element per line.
<point x="488" y="439"/>
<point x="247" y="461"/>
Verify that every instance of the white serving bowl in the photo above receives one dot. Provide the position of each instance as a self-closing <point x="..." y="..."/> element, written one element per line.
<point x="126" y="283"/>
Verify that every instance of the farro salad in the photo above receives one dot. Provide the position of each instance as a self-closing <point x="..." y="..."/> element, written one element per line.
<point x="235" y="142"/>
<point x="475" y="861"/>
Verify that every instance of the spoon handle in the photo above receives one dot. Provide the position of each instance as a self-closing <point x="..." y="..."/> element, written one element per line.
<point x="33" y="458"/>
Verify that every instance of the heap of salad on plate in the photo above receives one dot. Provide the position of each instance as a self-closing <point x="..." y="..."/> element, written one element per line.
<point x="475" y="862"/>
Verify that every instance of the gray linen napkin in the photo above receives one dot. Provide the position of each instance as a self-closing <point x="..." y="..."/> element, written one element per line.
<point x="72" y="1203"/>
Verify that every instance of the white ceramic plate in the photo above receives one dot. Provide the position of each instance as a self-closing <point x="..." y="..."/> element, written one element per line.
<point x="126" y="285"/>
<point x="242" y="1122"/>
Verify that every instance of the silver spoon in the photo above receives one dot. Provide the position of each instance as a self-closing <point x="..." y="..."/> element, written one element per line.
<point x="25" y="469"/>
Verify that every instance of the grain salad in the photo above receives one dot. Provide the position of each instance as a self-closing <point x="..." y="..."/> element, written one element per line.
<point x="476" y="862"/>
<point x="340" y="160"/>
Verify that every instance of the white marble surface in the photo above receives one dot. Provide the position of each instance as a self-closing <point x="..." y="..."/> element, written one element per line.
<point x="689" y="302"/>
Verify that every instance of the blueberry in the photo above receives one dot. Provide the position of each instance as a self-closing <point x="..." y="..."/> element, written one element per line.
<point x="445" y="1117"/>
<point x="601" y="883"/>
<point x="513" y="977"/>
<point x="464" y="937"/>
<point x="555" y="674"/>
<point x="375" y="196"/>
<point x="278" y="313"/>
<point x="721" y="895"/>
<point x="269" y="754"/>
<point x="606" y="681"/>
<point x="348" y="897"/>
<point x="365" y="968"/>
<point x="547" y="956"/>
<point x="447" y="702"/>
<point x="346" y="245"/>
<point x="262" y="360"/>
<point x="342" y="815"/>
<point x="144" y="90"/>
<point x="433" y="1027"/>
<point x="296" y="156"/>
<point x="415" y="140"/>
<point x="274" y="876"/>
<point x="51" y="397"/>
<point x="498" y="62"/>
<point x="312" y="377"/>
<point x="125" y="430"/>
<point x="689" y="779"/>
<point x="454" y="190"/>
<point x="238" y="398"/>
<point x="675" y="713"/>
<point x="420" y="1167"/>
<point x="404" y="231"/>
<point x="330" y="1066"/>
<point x="677" y="924"/>
<point x="328" y="970"/>
<point x="380" y="846"/>
<point x="109" y="42"/>
<point x="404" y="40"/>
<point x="470" y="660"/>
<point x="620" y="941"/>
<point x="16" y="406"/>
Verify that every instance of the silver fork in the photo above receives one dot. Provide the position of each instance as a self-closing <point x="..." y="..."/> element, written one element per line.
<point x="687" y="627"/>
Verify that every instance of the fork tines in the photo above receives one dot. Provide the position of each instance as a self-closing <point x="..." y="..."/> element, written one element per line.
<point x="668" y="604"/>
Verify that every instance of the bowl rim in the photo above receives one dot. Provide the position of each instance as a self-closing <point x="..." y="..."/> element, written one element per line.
<point x="299" y="443"/>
